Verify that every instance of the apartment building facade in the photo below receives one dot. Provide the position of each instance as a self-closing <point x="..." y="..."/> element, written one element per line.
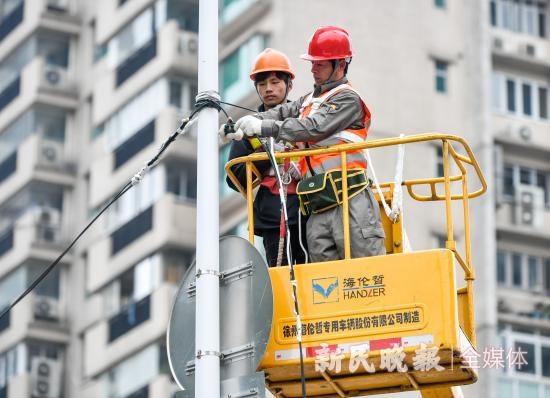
<point x="89" y="90"/>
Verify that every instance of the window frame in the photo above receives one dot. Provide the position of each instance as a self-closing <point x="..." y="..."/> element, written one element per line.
<point x="441" y="76"/>
<point x="501" y="99"/>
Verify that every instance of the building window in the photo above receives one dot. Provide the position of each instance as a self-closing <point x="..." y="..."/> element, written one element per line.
<point x="231" y="9"/>
<point x="440" y="3"/>
<point x="439" y="162"/>
<point x="531" y="95"/>
<point x="137" y="371"/>
<point x="501" y="267"/>
<point x="135" y="114"/>
<point x="511" y="95"/>
<point x="441" y="76"/>
<point x="135" y="201"/>
<point x="181" y="180"/>
<point x="521" y="16"/>
<point x="12" y="363"/>
<point x="528" y="380"/>
<point x="508" y="186"/>
<point x="534" y="272"/>
<point x="515" y="175"/>
<point x="516" y="270"/>
<point x="543" y="103"/>
<point x="526" y="98"/>
<point x="523" y="271"/>
<point x="493" y="12"/>
<point x="235" y="69"/>
<point x="529" y="355"/>
<point x="186" y="13"/>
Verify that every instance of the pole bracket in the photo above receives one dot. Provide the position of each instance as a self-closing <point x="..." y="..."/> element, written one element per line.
<point x="201" y="272"/>
<point x="201" y="353"/>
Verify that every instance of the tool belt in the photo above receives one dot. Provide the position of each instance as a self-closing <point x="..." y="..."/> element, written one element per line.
<point x="324" y="191"/>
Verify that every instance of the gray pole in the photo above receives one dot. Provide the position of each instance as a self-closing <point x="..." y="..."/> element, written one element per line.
<point x="207" y="331"/>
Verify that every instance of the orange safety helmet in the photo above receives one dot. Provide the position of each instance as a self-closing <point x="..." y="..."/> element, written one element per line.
<point x="270" y="60"/>
<point x="327" y="43"/>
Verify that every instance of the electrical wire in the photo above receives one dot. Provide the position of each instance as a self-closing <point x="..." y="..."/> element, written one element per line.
<point x="136" y="179"/>
<point x="238" y="106"/>
<point x="269" y="149"/>
<point x="45" y="273"/>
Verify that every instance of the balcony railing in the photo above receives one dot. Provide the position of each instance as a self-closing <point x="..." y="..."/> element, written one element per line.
<point x="134" y="144"/>
<point x="8" y="166"/>
<point x="10" y="93"/>
<point x="143" y="392"/>
<point x="132" y="316"/>
<point x="136" y="61"/>
<point x="10" y="21"/>
<point x="6" y="241"/>
<point x="4" y="324"/>
<point x="132" y="230"/>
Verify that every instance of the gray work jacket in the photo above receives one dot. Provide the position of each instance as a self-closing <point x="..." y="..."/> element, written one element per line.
<point x="340" y="112"/>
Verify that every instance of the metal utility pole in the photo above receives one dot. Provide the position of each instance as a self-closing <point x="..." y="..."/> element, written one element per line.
<point x="207" y="329"/>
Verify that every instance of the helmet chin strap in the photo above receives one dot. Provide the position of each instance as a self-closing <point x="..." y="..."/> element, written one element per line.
<point x="334" y="63"/>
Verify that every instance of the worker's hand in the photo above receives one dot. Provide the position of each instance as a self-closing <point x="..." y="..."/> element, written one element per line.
<point x="294" y="171"/>
<point x="250" y="125"/>
<point x="232" y="135"/>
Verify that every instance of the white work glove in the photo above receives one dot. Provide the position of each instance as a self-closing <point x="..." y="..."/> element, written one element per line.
<point x="224" y="139"/>
<point x="249" y="125"/>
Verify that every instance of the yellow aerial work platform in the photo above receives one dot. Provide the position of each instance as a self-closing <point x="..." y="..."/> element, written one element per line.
<point x="379" y="324"/>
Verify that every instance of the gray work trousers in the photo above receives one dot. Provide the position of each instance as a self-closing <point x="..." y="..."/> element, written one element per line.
<point x="325" y="231"/>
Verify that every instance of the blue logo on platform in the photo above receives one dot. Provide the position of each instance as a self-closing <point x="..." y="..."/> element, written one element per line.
<point x="325" y="290"/>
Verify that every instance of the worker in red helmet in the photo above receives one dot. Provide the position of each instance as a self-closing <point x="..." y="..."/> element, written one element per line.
<point x="272" y="76"/>
<point x="333" y="114"/>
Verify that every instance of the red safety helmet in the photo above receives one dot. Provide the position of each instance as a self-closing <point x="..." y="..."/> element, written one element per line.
<point x="270" y="60"/>
<point x="328" y="42"/>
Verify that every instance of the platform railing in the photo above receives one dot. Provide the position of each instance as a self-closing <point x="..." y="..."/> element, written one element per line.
<point x="454" y="148"/>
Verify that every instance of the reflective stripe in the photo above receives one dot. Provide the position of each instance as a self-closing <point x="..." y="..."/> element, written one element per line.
<point x="327" y="162"/>
<point x="315" y="103"/>
<point x="337" y="138"/>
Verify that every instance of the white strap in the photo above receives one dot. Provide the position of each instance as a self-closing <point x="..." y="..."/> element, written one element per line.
<point x="397" y="199"/>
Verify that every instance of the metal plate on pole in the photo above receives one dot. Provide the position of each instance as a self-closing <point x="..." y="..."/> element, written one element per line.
<point x="246" y="311"/>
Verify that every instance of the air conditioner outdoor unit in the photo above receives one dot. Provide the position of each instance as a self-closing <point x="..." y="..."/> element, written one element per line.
<point x="189" y="44"/>
<point x="524" y="133"/>
<point x="528" y="49"/>
<point x="50" y="152"/>
<point x="49" y="215"/>
<point x="46" y="308"/>
<point x="45" y="377"/>
<point x="48" y="224"/>
<point x="529" y="206"/>
<point x="52" y="75"/>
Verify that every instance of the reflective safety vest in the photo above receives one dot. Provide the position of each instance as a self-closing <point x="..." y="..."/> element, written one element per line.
<point x="329" y="162"/>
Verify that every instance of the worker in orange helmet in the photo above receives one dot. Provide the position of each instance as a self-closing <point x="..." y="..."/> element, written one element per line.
<point x="272" y="76"/>
<point x="333" y="114"/>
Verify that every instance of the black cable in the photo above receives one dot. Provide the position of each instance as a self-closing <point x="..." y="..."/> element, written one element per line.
<point x="238" y="106"/>
<point x="58" y="259"/>
<point x="135" y="180"/>
<point x="273" y="162"/>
